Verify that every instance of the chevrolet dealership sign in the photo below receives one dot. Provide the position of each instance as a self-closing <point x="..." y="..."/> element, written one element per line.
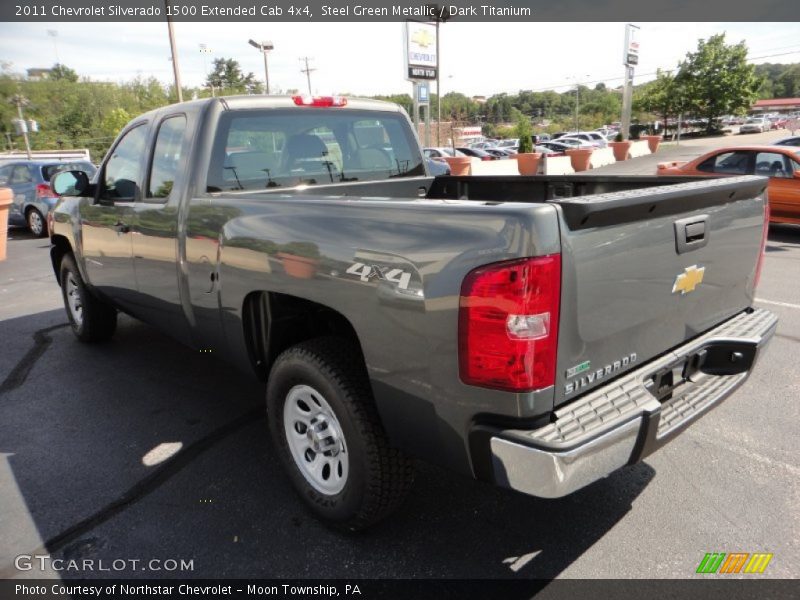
<point x="421" y="60"/>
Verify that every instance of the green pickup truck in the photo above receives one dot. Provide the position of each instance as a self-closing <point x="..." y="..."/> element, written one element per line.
<point x="534" y="332"/>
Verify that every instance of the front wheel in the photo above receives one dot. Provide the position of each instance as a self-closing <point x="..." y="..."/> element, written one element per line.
<point x="327" y="432"/>
<point x="91" y="319"/>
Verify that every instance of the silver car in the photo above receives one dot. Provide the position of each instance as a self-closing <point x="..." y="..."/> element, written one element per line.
<point x="29" y="180"/>
<point x="755" y="126"/>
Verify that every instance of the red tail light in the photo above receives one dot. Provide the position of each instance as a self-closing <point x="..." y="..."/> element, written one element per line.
<point x="324" y="101"/>
<point x="43" y="191"/>
<point x="508" y="324"/>
<point x="487" y="157"/>
<point x="764" y="234"/>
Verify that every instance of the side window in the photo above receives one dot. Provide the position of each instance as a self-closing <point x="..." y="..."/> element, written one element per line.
<point x="166" y="156"/>
<point x="728" y="163"/>
<point x="123" y="170"/>
<point x="20" y="174"/>
<point x="5" y="174"/>
<point x="773" y="164"/>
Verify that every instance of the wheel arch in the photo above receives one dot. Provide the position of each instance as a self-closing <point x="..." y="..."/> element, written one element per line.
<point x="273" y="322"/>
<point x="59" y="248"/>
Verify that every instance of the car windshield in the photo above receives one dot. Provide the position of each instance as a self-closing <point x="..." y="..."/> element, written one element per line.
<point x="754" y="121"/>
<point x="49" y="170"/>
<point x="259" y="149"/>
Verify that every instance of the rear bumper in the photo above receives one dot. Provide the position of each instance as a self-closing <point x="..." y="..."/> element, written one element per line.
<point x="623" y="422"/>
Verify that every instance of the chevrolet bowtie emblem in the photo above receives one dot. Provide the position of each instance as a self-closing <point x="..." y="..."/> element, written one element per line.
<point x="688" y="280"/>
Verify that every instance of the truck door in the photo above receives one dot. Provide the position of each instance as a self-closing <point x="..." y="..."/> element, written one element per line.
<point x="155" y="248"/>
<point x="107" y="219"/>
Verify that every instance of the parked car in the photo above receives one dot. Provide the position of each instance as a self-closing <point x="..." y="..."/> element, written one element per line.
<point x="30" y="182"/>
<point x="789" y="141"/>
<point x="439" y="153"/>
<point x="556" y="146"/>
<point x="507" y="143"/>
<point x="536" y="334"/>
<point x="757" y="125"/>
<point x="499" y="152"/>
<point x="577" y="142"/>
<point x="476" y="153"/>
<point x="485" y="144"/>
<point x="592" y="137"/>
<point x="436" y="167"/>
<point x="780" y="163"/>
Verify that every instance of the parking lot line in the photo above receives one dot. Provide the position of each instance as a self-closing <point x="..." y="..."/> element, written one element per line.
<point x="776" y="303"/>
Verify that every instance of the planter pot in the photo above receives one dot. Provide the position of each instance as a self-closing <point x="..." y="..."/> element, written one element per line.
<point x="6" y="198"/>
<point x="299" y="267"/>
<point x="581" y="158"/>
<point x="459" y="165"/>
<point x="528" y="163"/>
<point x="621" y="149"/>
<point x="652" y="141"/>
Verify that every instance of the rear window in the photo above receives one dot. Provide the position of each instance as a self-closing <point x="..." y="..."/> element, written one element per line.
<point x="284" y="148"/>
<point x="49" y="170"/>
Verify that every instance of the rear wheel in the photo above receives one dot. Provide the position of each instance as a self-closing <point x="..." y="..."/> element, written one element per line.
<point x="91" y="319"/>
<point x="327" y="432"/>
<point x="36" y="222"/>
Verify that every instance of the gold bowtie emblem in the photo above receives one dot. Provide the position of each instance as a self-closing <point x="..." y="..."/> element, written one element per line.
<point x="688" y="280"/>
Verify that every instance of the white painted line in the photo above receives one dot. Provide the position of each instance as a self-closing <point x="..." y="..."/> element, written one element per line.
<point x="776" y="303"/>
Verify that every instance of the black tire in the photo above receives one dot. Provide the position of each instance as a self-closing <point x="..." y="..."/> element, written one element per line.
<point x="378" y="476"/>
<point x="37" y="224"/>
<point x="96" y="320"/>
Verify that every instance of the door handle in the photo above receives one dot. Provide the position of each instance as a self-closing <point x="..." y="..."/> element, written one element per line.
<point x="691" y="233"/>
<point x="121" y="227"/>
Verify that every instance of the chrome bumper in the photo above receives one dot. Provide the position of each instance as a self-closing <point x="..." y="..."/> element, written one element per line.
<point x="623" y="422"/>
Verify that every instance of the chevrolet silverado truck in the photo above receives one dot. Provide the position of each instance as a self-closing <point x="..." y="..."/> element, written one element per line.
<point x="537" y="332"/>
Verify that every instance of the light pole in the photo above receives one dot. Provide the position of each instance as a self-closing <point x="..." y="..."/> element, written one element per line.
<point x="577" y="99"/>
<point x="307" y="71"/>
<point x="19" y="100"/>
<point x="440" y="15"/>
<point x="204" y="49"/>
<point x="263" y="47"/>
<point x="176" y="70"/>
<point x="53" y="33"/>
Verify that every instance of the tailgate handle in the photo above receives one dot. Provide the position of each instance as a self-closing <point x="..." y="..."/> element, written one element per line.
<point x="691" y="233"/>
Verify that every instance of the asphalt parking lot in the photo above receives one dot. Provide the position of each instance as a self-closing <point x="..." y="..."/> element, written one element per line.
<point x="142" y="449"/>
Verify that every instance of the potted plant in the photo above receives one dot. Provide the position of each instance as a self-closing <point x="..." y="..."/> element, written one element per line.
<point x="300" y="259"/>
<point x="6" y="198"/>
<point x="652" y="142"/>
<point x="621" y="147"/>
<point x="527" y="159"/>
<point x="580" y="158"/>
<point x="459" y="165"/>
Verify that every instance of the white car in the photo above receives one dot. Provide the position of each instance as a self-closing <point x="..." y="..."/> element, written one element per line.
<point x="577" y="142"/>
<point x="593" y="137"/>
<point x="758" y="125"/>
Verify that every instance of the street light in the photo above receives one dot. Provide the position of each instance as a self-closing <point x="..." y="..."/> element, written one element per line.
<point x="577" y="98"/>
<point x="264" y="47"/>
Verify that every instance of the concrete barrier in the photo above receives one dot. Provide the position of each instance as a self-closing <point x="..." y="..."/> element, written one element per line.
<point x="639" y="148"/>
<point x="494" y="167"/>
<point x="602" y="157"/>
<point x="557" y="165"/>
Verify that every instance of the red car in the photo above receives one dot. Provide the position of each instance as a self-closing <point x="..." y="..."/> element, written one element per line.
<point x="780" y="163"/>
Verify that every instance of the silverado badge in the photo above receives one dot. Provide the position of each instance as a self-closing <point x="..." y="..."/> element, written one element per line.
<point x="688" y="280"/>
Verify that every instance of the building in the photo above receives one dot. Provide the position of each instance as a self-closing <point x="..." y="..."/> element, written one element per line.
<point x="777" y="105"/>
<point x="38" y="74"/>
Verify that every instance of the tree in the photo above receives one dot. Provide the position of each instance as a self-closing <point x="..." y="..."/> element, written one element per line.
<point x="524" y="133"/>
<point x="227" y="77"/>
<point x="716" y="79"/>
<point x="659" y="97"/>
<point x="61" y="72"/>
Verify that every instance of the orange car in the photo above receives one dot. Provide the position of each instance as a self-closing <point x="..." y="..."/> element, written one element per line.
<point x="780" y="163"/>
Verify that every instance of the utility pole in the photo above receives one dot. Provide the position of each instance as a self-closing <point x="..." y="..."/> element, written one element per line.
<point x="53" y="33"/>
<point x="173" y="48"/>
<point x="21" y="100"/>
<point x="264" y="47"/>
<point x="307" y="71"/>
<point x="630" y="58"/>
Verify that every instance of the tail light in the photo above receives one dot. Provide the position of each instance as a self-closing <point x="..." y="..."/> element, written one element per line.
<point x="323" y="101"/>
<point x="43" y="191"/>
<point x="508" y="324"/>
<point x="764" y="234"/>
<point x="487" y="157"/>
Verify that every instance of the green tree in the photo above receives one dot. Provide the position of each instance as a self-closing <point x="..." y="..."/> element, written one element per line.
<point x="227" y="76"/>
<point x="716" y="79"/>
<point x="659" y="97"/>
<point x="524" y="132"/>
<point x="61" y="72"/>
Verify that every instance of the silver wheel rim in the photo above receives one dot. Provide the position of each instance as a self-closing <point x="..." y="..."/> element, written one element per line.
<point x="315" y="440"/>
<point x="35" y="222"/>
<point x="74" y="300"/>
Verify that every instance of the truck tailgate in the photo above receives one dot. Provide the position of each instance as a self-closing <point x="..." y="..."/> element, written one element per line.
<point x="645" y="270"/>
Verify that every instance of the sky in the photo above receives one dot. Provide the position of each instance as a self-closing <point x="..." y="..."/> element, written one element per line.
<point x="367" y="58"/>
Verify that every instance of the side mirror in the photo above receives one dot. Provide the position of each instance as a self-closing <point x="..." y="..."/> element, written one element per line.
<point x="70" y="183"/>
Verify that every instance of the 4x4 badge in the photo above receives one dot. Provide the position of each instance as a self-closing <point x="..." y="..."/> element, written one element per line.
<point x="688" y="280"/>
